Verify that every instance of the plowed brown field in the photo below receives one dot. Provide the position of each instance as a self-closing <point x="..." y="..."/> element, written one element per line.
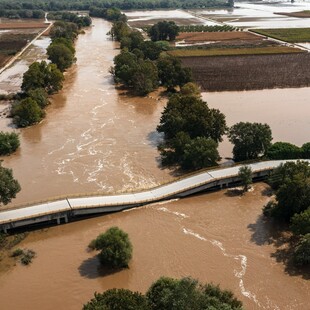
<point x="221" y="73"/>
<point x="217" y="36"/>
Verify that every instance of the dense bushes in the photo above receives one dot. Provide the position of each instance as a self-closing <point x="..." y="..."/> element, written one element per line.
<point x="167" y="294"/>
<point x="115" y="248"/>
<point x="9" y="187"/>
<point x="285" y="150"/>
<point x="292" y="184"/>
<point x="9" y="143"/>
<point x="191" y="132"/>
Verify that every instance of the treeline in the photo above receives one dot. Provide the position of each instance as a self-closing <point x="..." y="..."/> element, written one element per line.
<point x="140" y="65"/>
<point x="79" y="20"/>
<point x="291" y="183"/>
<point x="111" y="14"/>
<point x="43" y="79"/>
<point x="59" y="5"/>
<point x="21" y="13"/>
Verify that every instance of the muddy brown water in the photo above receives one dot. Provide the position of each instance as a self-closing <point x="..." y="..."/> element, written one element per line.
<point x="96" y="139"/>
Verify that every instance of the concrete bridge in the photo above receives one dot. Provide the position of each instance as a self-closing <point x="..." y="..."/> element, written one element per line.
<point x="66" y="209"/>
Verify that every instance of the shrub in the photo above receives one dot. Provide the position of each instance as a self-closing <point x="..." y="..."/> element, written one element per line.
<point x="245" y="175"/>
<point x="17" y="252"/>
<point x="9" y="142"/>
<point x="27" y="257"/>
<point x="115" y="247"/>
<point x="301" y="223"/>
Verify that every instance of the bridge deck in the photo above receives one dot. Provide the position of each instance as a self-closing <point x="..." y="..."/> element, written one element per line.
<point x="180" y="188"/>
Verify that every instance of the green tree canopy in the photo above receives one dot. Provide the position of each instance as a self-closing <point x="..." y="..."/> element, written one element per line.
<point x="60" y="55"/>
<point x="27" y="112"/>
<point x="293" y="194"/>
<point x="193" y="116"/>
<point x="163" y="31"/>
<point x="301" y="223"/>
<point x="245" y="175"/>
<point x="250" y="140"/>
<point x="284" y="150"/>
<point x="9" y="143"/>
<point x="199" y="153"/>
<point x="190" y="89"/>
<point x="62" y="29"/>
<point x="39" y="95"/>
<point x="42" y="75"/>
<point x="301" y="255"/>
<point x="121" y="299"/>
<point x="115" y="247"/>
<point x="187" y="293"/>
<point x="171" y="73"/>
<point x="9" y="187"/>
<point x="167" y="294"/>
<point x="306" y="150"/>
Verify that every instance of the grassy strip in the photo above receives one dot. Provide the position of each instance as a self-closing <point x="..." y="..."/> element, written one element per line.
<point x="291" y="35"/>
<point x="234" y="51"/>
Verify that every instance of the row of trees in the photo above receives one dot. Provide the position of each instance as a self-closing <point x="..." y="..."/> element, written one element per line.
<point x="79" y="20"/>
<point x="21" y="13"/>
<point x="43" y="79"/>
<point x="59" y="5"/>
<point x="291" y="182"/>
<point x="140" y="65"/>
<point x="167" y="294"/>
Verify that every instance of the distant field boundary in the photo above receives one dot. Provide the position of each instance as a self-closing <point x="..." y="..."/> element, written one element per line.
<point x="291" y="35"/>
<point x="234" y="51"/>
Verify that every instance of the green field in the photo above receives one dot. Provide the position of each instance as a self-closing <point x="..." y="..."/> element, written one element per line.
<point x="234" y="51"/>
<point x="292" y="35"/>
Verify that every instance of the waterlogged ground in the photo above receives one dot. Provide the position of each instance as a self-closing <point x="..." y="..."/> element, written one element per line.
<point x="96" y="139"/>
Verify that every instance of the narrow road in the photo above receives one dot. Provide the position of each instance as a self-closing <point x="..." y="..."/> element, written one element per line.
<point x="13" y="59"/>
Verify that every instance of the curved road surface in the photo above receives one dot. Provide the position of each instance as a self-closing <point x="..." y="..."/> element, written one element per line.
<point x="67" y="208"/>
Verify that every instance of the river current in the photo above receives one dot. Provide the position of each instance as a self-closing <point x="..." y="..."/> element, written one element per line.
<point x="97" y="139"/>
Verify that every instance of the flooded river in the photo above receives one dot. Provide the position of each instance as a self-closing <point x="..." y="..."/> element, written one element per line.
<point x="96" y="139"/>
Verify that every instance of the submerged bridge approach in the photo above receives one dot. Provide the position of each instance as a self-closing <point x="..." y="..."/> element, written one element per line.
<point x="66" y="209"/>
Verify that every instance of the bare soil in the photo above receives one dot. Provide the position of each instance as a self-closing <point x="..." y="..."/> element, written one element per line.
<point x="302" y="14"/>
<point x="217" y="36"/>
<point x="22" y="25"/>
<point x="249" y="72"/>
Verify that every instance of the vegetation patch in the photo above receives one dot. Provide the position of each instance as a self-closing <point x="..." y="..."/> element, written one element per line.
<point x="234" y="51"/>
<point x="292" y="35"/>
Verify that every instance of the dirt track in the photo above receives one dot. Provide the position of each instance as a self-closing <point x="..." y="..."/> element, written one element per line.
<point x="222" y="73"/>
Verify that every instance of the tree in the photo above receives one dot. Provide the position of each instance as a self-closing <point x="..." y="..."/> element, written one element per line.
<point x="192" y="116"/>
<point x="39" y="95"/>
<point x="9" y="187"/>
<point x="301" y="223"/>
<point x="171" y="73"/>
<point x="284" y="150"/>
<point x="190" y="89"/>
<point x="293" y="195"/>
<point x="164" y="30"/>
<point x="121" y="299"/>
<point x="9" y="143"/>
<point x="199" y="153"/>
<point x="26" y="113"/>
<point x="60" y="55"/>
<point x="42" y="75"/>
<point x="301" y="256"/>
<point x="187" y="293"/>
<point x="115" y="247"/>
<point x="250" y="140"/>
<point x="245" y="175"/>
<point x="306" y="150"/>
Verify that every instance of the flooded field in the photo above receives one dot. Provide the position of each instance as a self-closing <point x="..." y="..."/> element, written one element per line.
<point x="248" y="15"/>
<point x="95" y="138"/>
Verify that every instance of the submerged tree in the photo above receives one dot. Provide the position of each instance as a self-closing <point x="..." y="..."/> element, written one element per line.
<point x="9" y="187"/>
<point x="115" y="247"/>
